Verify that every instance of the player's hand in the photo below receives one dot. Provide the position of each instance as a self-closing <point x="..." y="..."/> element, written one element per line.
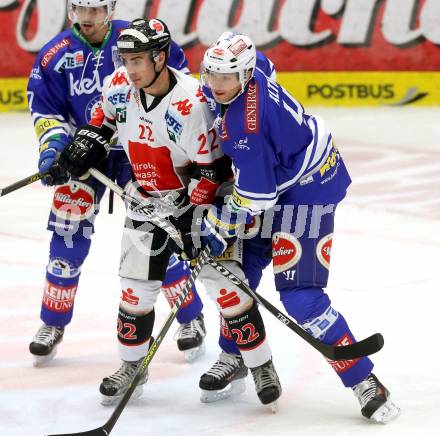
<point x="188" y="223"/>
<point x="87" y="149"/>
<point x="221" y="226"/>
<point x="48" y="163"/>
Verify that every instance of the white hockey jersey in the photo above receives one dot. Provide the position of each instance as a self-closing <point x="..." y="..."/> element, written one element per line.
<point x="169" y="140"/>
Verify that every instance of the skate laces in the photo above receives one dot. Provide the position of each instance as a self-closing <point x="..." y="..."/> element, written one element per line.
<point x="366" y="390"/>
<point x="225" y="364"/>
<point x="48" y="334"/>
<point x="264" y="376"/>
<point x="124" y="374"/>
<point x="189" y="330"/>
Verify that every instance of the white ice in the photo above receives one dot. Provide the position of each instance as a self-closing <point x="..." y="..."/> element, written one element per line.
<point x="384" y="278"/>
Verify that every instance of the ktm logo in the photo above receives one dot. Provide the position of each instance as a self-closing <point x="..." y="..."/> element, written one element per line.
<point x="183" y="106"/>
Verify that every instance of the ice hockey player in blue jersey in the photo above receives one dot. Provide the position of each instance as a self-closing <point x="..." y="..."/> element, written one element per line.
<point x="64" y="92"/>
<point x="289" y="172"/>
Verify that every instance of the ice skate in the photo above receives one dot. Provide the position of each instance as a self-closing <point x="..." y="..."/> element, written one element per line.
<point x="225" y="379"/>
<point x="267" y="384"/>
<point x="190" y="338"/>
<point x="375" y="401"/>
<point x="114" y="387"/>
<point x="45" y="343"/>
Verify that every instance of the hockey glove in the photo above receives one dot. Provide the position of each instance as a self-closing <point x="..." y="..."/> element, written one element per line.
<point x="221" y="227"/>
<point x="88" y="147"/>
<point x="188" y="223"/>
<point x="48" y="163"/>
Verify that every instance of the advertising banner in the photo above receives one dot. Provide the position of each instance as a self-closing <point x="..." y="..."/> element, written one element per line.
<point x="297" y="35"/>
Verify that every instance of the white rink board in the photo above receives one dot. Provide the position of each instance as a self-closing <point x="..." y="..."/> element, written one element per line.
<point x="384" y="277"/>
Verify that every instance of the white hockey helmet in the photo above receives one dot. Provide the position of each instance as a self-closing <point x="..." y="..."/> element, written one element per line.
<point x="231" y="53"/>
<point x="110" y="4"/>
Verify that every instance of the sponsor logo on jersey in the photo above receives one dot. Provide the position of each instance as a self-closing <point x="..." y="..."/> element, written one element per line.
<point x="57" y="298"/>
<point x="251" y="109"/>
<point x="73" y="201"/>
<point x="286" y="251"/>
<point x="183" y="106"/>
<point x="323" y="250"/>
<point x="241" y="144"/>
<point x="330" y="162"/>
<point x="174" y="126"/>
<point x="60" y="267"/>
<point x="92" y="109"/>
<point x="173" y="290"/>
<point x="85" y="85"/>
<point x="118" y="98"/>
<point x="121" y="114"/>
<point x="200" y="95"/>
<point x="35" y="74"/>
<point x="238" y="48"/>
<point x="119" y="79"/>
<point x="69" y="61"/>
<point x="47" y="57"/>
<point x="341" y="366"/>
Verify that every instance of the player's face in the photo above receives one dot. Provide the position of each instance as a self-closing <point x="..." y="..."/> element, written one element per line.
<point x="140" y="68"/>
<point x="224" y="87"/>
<point x="91" y="22"/>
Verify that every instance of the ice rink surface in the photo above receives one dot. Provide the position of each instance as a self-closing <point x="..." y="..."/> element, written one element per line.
<point x="384" y="278"/>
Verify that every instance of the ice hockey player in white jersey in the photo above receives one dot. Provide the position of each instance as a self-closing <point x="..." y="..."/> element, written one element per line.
<point x="64" y="92"/>
<point x="165" y="126"/>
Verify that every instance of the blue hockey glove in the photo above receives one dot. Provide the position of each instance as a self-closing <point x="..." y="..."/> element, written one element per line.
<point x="48" y="162"/>
<point x="221" y="227"/>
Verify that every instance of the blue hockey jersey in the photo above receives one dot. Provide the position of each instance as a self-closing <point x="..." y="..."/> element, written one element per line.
<point x="280" y="154"/>
<point x="65" y="84"/>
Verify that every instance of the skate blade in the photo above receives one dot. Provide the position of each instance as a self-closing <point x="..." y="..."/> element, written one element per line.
<point x="235" y="388"/>
<point x="107" y="400"/>
<point x="273" y="407"/>
<point x="42" y="360"/>
<point x="386" y="413"/>
<point x="194" y="353"/>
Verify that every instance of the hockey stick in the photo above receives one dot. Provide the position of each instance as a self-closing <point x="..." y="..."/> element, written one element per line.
<point x="365" y="347"/>
<point x="108" y="426"/>
<point x="21" y="183"/>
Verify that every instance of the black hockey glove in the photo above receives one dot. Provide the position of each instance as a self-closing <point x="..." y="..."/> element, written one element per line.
<point x="188" y="223"/>
<point x="88" y="147"/>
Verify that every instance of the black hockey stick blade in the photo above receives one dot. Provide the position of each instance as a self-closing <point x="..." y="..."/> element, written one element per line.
<point x="21" y="184"/>
<point x="365" y="347"/>
<point x="96" y="432"/>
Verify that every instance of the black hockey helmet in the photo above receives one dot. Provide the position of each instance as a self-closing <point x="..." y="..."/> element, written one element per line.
<point x="145" y="35"/>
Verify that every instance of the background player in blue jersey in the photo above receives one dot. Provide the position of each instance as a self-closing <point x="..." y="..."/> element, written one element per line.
<point x="64" y="92"/>
<point x="286" y="166"/>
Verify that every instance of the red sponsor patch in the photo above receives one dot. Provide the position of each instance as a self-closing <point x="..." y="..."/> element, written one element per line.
<point x="128" y="297"/>
<point x="183" y="106"/>
<point x="153" y="167"/>
<point x="119" y="79"/>
<point x="156" y="25"/>
<point x="219" y="51"/>
<point x="323" y="250"/>
<point x="237" y="48"/>
<point x="204" y="192"/>
<point x="48" y="56"/>
<point x="174" y="289"/>
<point x="227" y="299"/>
<point x="251" y="109"/>
<point x="57" y="298"/>
<point x="342" y="365"/>
<point x="200" y="95"/>
<point x="286" y="251"/>
<point x="73" y="201"/>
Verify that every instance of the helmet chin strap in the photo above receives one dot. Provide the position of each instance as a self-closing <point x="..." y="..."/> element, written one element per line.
<point x="156" y="75"/>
